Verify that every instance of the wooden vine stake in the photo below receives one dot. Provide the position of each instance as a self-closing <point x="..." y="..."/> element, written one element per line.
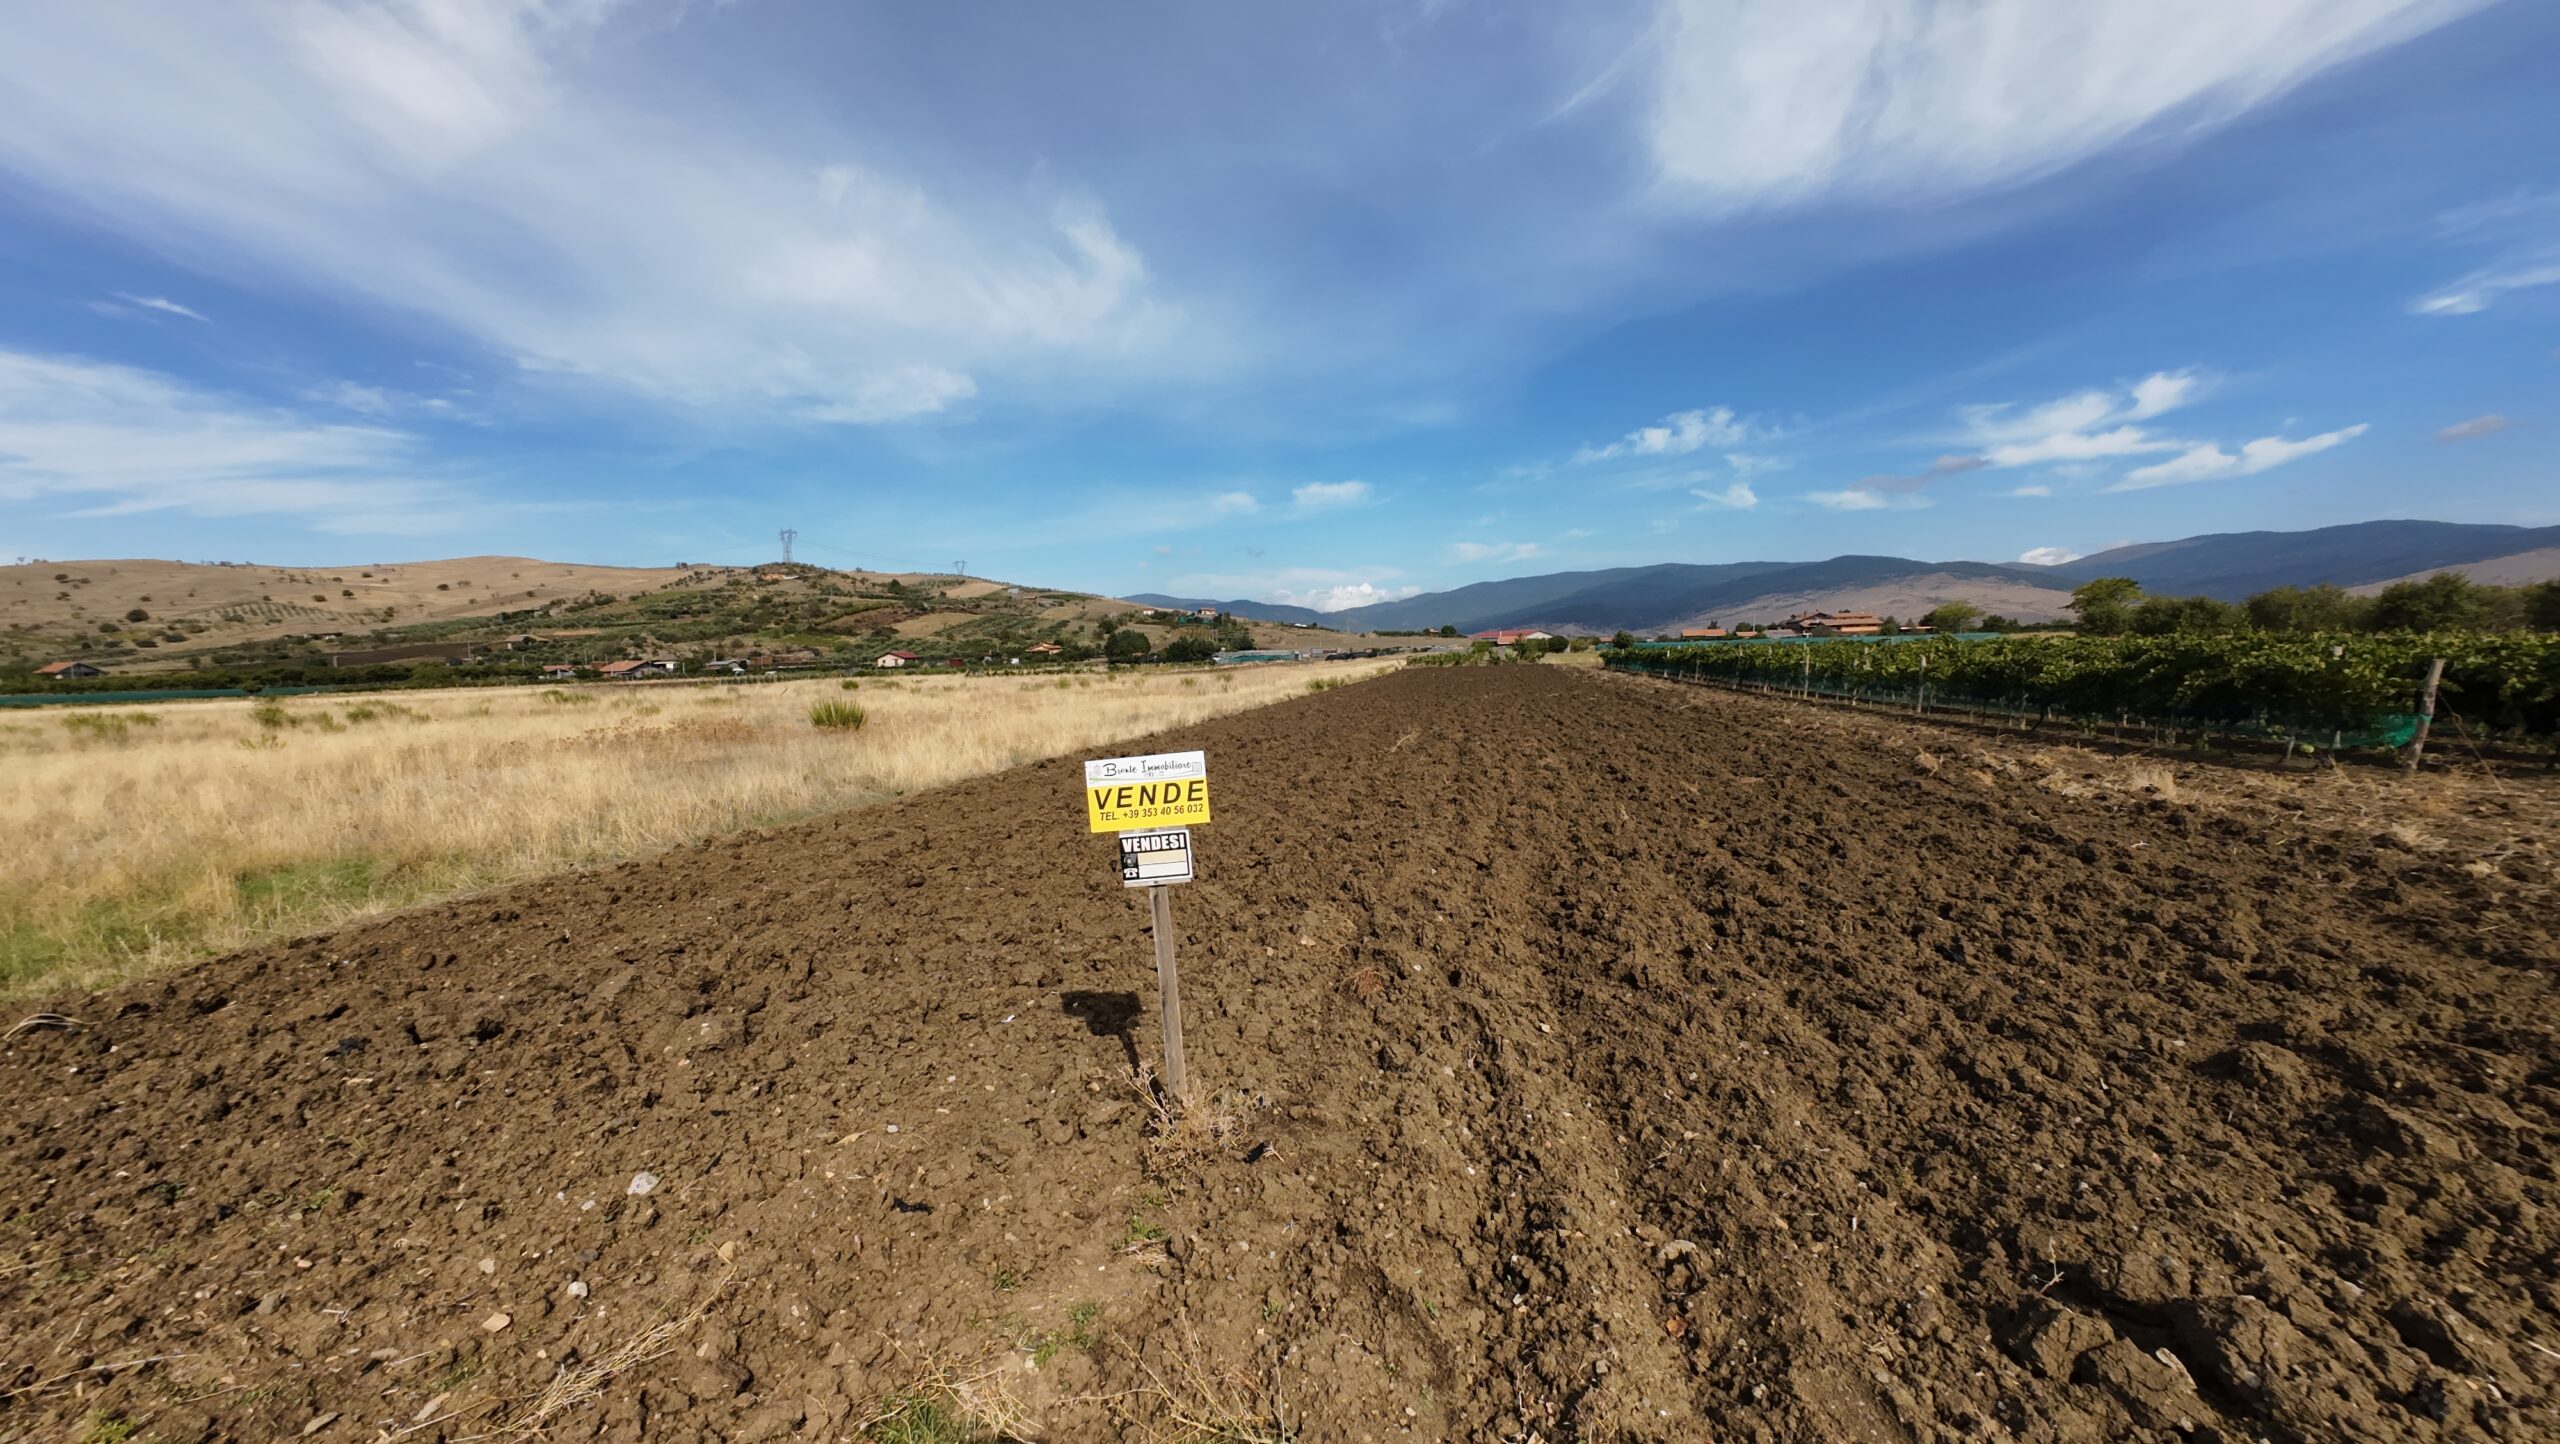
<point x="2426" y="713"/>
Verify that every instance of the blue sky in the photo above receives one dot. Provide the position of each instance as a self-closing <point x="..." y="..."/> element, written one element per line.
<point x="1322" y="302"/>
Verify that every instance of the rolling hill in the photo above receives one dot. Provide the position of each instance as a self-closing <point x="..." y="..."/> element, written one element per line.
<point x="2232" y="565"/>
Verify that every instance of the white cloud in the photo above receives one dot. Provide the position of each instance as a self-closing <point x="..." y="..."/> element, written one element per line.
<point x="1329" y="495"/>
<point x="1233" y="503"/>
<point x="1678" y="434"/>
<point x="485" y="165"/>
<point x="164" y="305"/>
<point x="2208" y="462"/>
<point x="1770" y="102"/>
<point x="348" y="396"/>
<point x="2163" y="391"/>
<point x="2080" y="446"/>
<point x="2481" y="289"/>
<point x="2477" y="426"/>
<point x="114" y="441"/>
<point x="1860" y="499"/>
<point x="1746" y="464"/>
<point x="1493" y="551"/>
<point x="2083" y="426"/>
<point x="2029" y="490"/>
<point x="1738" y="496"/>
<point x="1343" y="596"/>
<point x="2048" y="556"/>
<point x="896" y="394"/>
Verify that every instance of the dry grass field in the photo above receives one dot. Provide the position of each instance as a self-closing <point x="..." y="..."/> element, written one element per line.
<point x="149" y="834"/>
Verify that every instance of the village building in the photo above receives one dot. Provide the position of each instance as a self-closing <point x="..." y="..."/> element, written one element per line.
<point x="559" y="671"/>
<point x="1508" y="636"/>
<point x="896" y="659"/>
<point x="636" y="668"/>
<point x="1702" y="634"/>
<point x="67" y="671"/>
<point x="1836" y="624"/>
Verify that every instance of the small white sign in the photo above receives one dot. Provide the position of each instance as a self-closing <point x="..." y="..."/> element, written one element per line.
<point x="1150" y="858"/>
<point x="1161" y="767"/>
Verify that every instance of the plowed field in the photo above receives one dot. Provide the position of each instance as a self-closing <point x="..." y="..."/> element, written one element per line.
<point x="1609" y="1061"/>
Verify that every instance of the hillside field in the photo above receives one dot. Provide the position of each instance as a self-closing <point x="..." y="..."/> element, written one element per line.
<point x="1576" y="1057"/>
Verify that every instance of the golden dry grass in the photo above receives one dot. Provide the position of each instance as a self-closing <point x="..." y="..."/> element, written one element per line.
<point x="215" y="825"/>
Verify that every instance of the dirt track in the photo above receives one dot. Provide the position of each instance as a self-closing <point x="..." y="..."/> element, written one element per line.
<point x="1722" y="1074"/>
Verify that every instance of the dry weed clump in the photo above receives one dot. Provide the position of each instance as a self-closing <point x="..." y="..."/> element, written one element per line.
<point x="586" y="1383"/>
<point x="190" y="828"/>
<point x="1365" y="981"/>
<point x="1190" y="1399"/>
<point x="1184" y="1135"/>
<point x="945" y="1406"/>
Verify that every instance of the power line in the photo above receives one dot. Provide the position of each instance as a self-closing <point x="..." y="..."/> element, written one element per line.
<point x="788" y="537"/>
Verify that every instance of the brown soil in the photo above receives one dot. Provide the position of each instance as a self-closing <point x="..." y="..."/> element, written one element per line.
<point x="1607" y="1061"/>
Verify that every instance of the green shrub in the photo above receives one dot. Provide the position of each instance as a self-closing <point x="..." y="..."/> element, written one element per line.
<point x="107" y="726"/>
<point x="841" y="716"/>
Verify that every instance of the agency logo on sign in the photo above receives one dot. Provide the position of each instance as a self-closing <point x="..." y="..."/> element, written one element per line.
<point x="1167" y="789"/>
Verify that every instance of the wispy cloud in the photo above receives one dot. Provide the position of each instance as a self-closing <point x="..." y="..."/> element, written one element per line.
<point x="1234" y="503"/>
<point x="1678" y="434"/>
<point x="2489" y="425"/>
<point x="1759" y="103"/>
<point x="1329" y="495"/>
<point x="477" y="163"/>
<point x="2031" y="489"/>
<point x="1857" y="498"/>
<point x="896" y="393"/>
<point x="1493" y="551"/>
<point x="2483" y="288"/>
<point x="2210" y="462"/>
<point x="161" y="304"/>
<point x="114" y="440"/>
<point x="1737" y="497"/>
<point x="2083" y="426"/>
<point x="2048" y="556"/>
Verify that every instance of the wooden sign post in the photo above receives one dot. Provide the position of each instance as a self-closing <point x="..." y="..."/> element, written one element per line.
<point x="1153" y="803"/>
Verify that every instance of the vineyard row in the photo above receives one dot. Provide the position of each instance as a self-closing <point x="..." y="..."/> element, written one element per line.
<point x="2316" y="688"/>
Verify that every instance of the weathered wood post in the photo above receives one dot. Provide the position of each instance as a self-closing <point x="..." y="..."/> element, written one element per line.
<point x="2426" y="713"/>
<point x="1168" y="991"/>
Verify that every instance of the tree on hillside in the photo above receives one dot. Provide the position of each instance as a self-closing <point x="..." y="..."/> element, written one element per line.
<point x="1191" y="648"/>
<point x="1448" y="629"/>
<point x="1125" y="646"/>
<point x="1624" y="639"/>
<point x="1948" y="617"/>
<point x="2105" y="605"/>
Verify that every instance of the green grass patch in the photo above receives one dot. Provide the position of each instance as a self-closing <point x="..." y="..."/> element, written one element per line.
<point x="837" y="716"/>
<point x="305" y="885"/>
<point x="923" y="1419"/>
<point x="108" y="726"/>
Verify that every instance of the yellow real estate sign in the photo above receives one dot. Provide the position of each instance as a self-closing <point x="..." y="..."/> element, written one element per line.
<point x="1168" y="789"/>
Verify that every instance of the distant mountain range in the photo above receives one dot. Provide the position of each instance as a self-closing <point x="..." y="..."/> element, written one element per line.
<point x="1240" y="607"/>
<point x="1671" y="595"/>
